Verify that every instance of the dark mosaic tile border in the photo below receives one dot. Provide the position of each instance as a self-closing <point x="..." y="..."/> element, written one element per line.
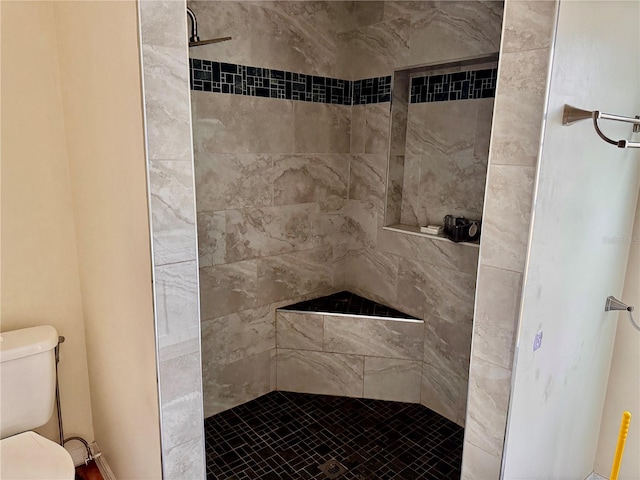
<point x="209" y="76"/>
<point x="372" y="90"/>
<point x="454" y="86"/>
<point x="347" y="303"/>
<point x="220" y="77"/>
<point x="286" y="436"/>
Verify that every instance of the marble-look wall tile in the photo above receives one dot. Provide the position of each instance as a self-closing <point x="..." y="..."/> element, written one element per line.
<point x="311" y="178"/>
<point x="411" y="210"/>
<point x="238" y="382"/>
<point x="321" y="128"/>
<point x="169" y="162"/>
<point x="335" y="227"/>
<point x="452" y="186"/>
<point x="399" y="113"/>
<point x="172" y="212"/>
<point x="507" y="215"/>
<point x="299" y="331"/>
<point x="452" y="175"/>
<point x="166" y="97"/>
<point x="223" y="19"/>
<point x="367" y="13"/>
<point x="182" y="419"/>
<point x="211" y="238"/>
<point x="251" y="332"/>
<point x="519" y="105"/>
<point x="294" y="274"/>
<point x="378" y="338"/>
<point x="463" y="258"/>
<point x="479" y="464"/>
<point x="443" y="393"/>
<point x="484" y="122"/>
<point x="185" y="460"/>
<point x="215" y="342"/>
<point x="436" y="291"/>
<point x="367" y="178"/>
<point x="373" y="271"/>
<point x="436" y="138"/>
<point x="340" y="253"/>
<point x="497" y="309"/>
<point x="180" y="389"/>
<point x="520" y="101"/>
<point x="241" y="124"/>
<point x="489" y="388"/>
<point x="395" y="178"/>
<point x="182" y="375"/>
<point x="528" y="25"/>
<point x="273" y="370"/>
<point x="282" y="35"/>
<point x="358" y="128"/>
<point x="276" y="29"/>
<point x="375" y="50"/>
<point x="225" y="181"/>
<point x="321" y="373"/>
<point x="176" y="304"/>
<point x="470" y="29"/>
<point x="362" y="218"/>
<point x="447" y="345"/>
<point x="392" y="379"/>
<point x="416" y="136"/>
<point x="262" y="232"/>
<point x="225" y="289"/>
<point x="377" y="126"/>
<point x="158" y="19"/>
<point x="404" y="8"/>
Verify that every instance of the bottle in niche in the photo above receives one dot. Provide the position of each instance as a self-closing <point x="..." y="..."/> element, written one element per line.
<point x="461" y="229"/>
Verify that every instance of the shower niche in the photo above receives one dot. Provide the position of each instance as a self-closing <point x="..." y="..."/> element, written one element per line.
<point x="439" y="143"/>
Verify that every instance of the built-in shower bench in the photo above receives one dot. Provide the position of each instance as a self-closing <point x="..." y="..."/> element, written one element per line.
<point x="344" y="344"/>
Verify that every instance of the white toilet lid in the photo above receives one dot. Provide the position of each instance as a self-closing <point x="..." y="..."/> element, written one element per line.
<point x="31" y="456"/>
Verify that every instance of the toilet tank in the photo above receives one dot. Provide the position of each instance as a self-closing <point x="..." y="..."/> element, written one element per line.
<point x="27" y="378"/>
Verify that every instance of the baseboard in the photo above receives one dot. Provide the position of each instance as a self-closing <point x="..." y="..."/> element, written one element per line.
<point x="595" y="476"/>
<point x="103" y="466"/>
<point x="79" y="455"/>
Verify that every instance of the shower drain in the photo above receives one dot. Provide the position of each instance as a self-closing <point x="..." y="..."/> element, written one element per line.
<point x="333" y="469"/>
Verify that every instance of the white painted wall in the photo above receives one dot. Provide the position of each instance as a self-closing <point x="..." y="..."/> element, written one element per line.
<point x="99" y="61"/>
<point x="39" y="261"/>
<point x="587" y="193"/>
<point x="75" y="235"/>
<point x="623" y="391"/>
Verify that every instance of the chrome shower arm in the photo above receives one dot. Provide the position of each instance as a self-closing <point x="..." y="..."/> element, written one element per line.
<point x="194" y="26"/>
<point x="194" y="39"/>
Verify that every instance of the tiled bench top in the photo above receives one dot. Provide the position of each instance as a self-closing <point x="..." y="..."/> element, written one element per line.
<point x="347" y="303"/>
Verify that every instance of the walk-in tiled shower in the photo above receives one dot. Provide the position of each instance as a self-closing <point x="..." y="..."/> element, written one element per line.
<point x="303" y="190"/>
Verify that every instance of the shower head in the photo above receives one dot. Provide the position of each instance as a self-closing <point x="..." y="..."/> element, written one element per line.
<point x="194" y="39"/>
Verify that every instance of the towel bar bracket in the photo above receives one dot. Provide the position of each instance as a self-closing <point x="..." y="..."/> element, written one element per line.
<point x="571" y="115"/>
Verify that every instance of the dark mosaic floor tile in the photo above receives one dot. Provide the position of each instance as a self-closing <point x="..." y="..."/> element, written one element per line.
<point x="285" y="435"/>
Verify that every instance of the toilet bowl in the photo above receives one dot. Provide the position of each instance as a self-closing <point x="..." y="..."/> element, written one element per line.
<point x="27" y="396"/>
<point x="31" y="456"/>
